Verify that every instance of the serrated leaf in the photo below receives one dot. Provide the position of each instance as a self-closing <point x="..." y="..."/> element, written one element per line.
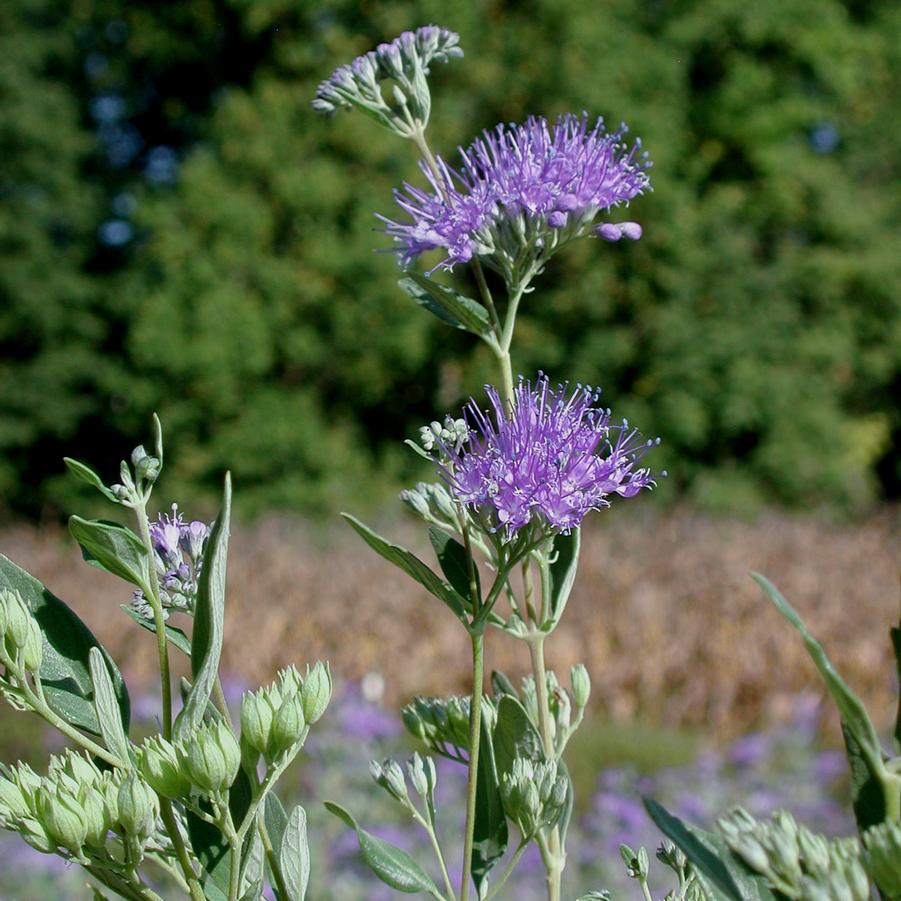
<point x="111" y="727"/>
<point x="865" y="754"/>
<point x="112" y="547"/>
<point x="294" y="855"/>
<point x="563" y="571"/>
<point x="65" y="666"/>
<point x="454" y="564"/>
<point x="448" y="305"/>
<point x="514" y="736"/>
<point x="85" y="474"/>
<point x="725" y="877"/>
<point x="174" y="635"/>
<point x="392" y="865"/>
<point x="490" y="826"/>
<point x="209" y="621"/>
<point x="412" y="566"/>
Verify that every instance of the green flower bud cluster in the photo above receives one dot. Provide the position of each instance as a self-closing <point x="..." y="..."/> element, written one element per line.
<point x="797" y="862"/>
<point x="636" y="862"/>
<point x="452" y="435"/>
<point x="432" y="502"/>
<point x="390" y="777"/>
<point x="443" y="723"/>
<point x="21" y="641"/>
<point x="423" y="776"/>
<point x="76" y="807"/>
<point x="533" y="795"/>
<point x="882" y="857"/>
<point x="210" y="758"/>
<point x="276" y="718"/>
<point x="161" y="767"/>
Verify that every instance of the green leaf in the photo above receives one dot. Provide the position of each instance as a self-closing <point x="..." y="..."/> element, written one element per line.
<point x="174" y="635"/>
<point x="563" y="571"/>
<point x="454" y="564"/>
<point x="725" y="877"/>
<point x="85" y="474"/>
<point x="65" y="667"/>
<point x="392" y="865"/>
<point x="490" y="826"/>
<point x="412" y="566"/>
<point x="501" y="684"/>
<point x="107" y="706"/>
<point x="445" y="303"/>
<point x="253" y="862"/>
<point x="209" y="621"/>
<point x="515" y="736"/>
<point x="276" y="821"/>
<point x="210" y="845"/>
<point x="567" y="814"/>
<point x="865" y="754"/>
<point x="112" y="547"/>
<point x="294" y="856"/>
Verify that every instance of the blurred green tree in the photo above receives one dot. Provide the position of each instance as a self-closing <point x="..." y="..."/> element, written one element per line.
<point x="756" y="327"/>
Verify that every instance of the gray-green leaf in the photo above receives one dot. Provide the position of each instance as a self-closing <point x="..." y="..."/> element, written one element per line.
<point x="412" y="566"/>
<point x="111" y="727"/>
<point x="450" y="307"/>
<point x="294" y="856"/>
<point x="563" y="571"/>
<point x="392" y="865"/>
<point x="514" y="736"/>
<point x="85" y="474"/>
<point x="112" y="547"/>
<point x="174" y="635"/>
<point x="454" y="564"/>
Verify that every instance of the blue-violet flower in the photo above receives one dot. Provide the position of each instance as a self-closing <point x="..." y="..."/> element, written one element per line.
<point x="521" y="192"/>
<point x="554" y="456"/>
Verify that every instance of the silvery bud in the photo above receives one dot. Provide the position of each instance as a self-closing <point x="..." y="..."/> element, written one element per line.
<point x="95" y="812"/>
<point x="18" y="618"/>
<point x="581" y="685"/>
<point x="33" y="652"/>
<point x="416" y="501"/>
<point x="316" y="692"/>
<point x="882" y="856"/>
<point x="533" y="795"/>
<point x="13" y="804"/>
<point x="211" y="757"/>
<point x="162" y="768"/>
<point x="422" y="775"/>
<point x="137" y="807"/>
<point x="636" y="862"/>
<point x="441" y="498"/>
<point x="63" y="818"/>
<point x="813" y="851"/>
<point x="145" y="466"/>
<point x="672" y="856"/>
<point x="34" y="834"/>
<point x="389" y="776"/>
<point x="257" y="712"/>
<point x="287" y="726"/>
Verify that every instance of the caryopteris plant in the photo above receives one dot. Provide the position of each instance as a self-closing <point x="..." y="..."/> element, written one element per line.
<point x="514" y="481"/>
<point x="191" y="810"/>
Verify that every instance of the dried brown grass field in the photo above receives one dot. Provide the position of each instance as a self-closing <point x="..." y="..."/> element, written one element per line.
<point x="664" y="613"/>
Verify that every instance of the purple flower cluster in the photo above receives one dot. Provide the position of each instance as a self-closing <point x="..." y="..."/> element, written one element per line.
<point x="178" y="557"/>
<point x="554" y="456"/>
<point x="529" y="180"/>
<point x="404" y="59"/>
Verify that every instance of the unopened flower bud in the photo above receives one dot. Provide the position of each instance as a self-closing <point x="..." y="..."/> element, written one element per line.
<point x="415" y="501"/>
<point x="33" y="652"/>
<point x="162" y="768"/>
<point x="95" y="812"/>
<point x="13" y="804"/>
<point x="609" y="231"/>
<point x="316" y="692"/>
<point x="422" y="775"/>
<point x="581" y="685"/>
<point x="882" y="856"/>
<point x="63" y="818"/>
<point x="636" y="862"/>
<point x="35" y="834"/>
<point x="631" y="230"/>
<point x="137" y="807"/>
<point x="18" y="618"/>
<point x="256" y="720"/>
<point x="212" y="757"/>
<point x="287" y="726"/>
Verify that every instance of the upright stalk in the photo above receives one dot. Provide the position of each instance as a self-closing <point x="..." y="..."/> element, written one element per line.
<point x="475" y="726"/>
<point x="555" y="859"/>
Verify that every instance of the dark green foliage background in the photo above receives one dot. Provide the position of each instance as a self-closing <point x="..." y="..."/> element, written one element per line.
<point x="756" y="327"/>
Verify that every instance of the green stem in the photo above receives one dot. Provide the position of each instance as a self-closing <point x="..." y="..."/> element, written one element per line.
<point x="555" y="858"/>
<point x="121" y="887"/>
<point x="158" y="620"/>
<point x="508" y="870"/>
<point x="429" y="827"/>
<point x="181" y="852"/>
<point x="234" y="843"/>
<point x="891" y="791"/>
<point x="475" y="725"/>
<point x="274" y="866"/>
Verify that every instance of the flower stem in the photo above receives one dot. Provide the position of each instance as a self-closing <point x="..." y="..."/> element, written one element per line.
<point x="475" y="726"/>
<point x="555" y="857"/>
<point x="274" y="865"/>
<point x="168" y="818"/>
<point x="158" y="621"/>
